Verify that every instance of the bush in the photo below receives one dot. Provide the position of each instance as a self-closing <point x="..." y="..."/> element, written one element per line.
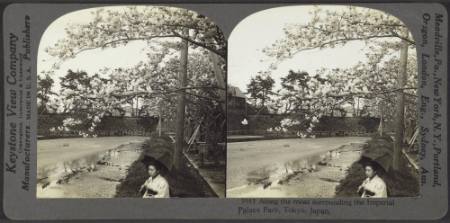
<point x="185" y="183"/>
<point x="402" y="183"/>
<point x="137" y="175"/>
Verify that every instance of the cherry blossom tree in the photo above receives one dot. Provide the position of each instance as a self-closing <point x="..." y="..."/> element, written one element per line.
<point x="332" y="28"/>
<point x="174" y="30"/>
<point x="114" y="27"/>
<point x="381" y="76"/>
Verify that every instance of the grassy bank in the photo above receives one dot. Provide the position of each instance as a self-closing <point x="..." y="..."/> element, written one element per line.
<point x="402" y="183"/>
<point x="185" y="183"/>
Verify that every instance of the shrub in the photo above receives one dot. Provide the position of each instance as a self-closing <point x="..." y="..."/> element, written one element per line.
<point x="402" y="183"/>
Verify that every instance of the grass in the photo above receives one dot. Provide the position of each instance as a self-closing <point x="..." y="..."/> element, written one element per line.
<point x="402" y="183"/>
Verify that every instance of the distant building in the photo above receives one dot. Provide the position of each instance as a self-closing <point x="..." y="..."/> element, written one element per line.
<point x="122" y="111"/>
<point x="346" y="110"/>
<point x="236" y="98"/>
<point x="236" y="109"/>
<point x="129" y="111"/>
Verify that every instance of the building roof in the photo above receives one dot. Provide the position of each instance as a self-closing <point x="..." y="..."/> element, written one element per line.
<point x="235" y="92"/>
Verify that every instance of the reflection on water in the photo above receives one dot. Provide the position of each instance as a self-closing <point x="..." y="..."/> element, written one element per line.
<point x="312" y="176"/>
<point x="62" y="171"/>
<point x="281" y="171"/>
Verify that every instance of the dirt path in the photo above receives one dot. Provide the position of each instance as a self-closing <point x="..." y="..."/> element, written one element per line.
<point x="100" y="182"/>
<point x="319" y="182"/>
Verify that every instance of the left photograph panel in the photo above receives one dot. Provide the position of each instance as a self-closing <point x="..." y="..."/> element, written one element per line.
<point x="131" y="103"/>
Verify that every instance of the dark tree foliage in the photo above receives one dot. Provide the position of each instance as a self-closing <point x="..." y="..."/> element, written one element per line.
<point x="261" y="88"/>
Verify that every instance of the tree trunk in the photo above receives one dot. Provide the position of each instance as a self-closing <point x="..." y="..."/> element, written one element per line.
<point x="160" y="111"/>
<point x="332" y="111"/>
<point x="137" y="106"/>
<point x="219" y="78"/>
<point x="357" y="107"/>
<point x="380" y="127"/>
<point x="263" y="100"/>
<point x="132" y="108"/>
<point x="400" y="106"/>
<point x="159" y="123"/>
<point x="179" y="141"/>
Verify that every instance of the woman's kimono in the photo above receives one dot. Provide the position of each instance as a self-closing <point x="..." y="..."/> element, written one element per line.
<point x="374" y="187"/>
<point x="156" y="188"/>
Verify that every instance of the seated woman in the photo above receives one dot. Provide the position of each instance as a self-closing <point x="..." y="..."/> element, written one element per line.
<point x="155" y="186"/>
<point x="373" y="186"/>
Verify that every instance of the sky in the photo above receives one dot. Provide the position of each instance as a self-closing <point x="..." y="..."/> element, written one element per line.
<point x="263" y="28"/>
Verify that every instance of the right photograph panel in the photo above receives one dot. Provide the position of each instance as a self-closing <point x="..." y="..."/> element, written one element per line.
<point x="322" y="103"/>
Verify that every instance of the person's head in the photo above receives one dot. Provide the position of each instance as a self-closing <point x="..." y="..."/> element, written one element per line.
<point x="370" y="170"/>
<point x="152" y="170"/>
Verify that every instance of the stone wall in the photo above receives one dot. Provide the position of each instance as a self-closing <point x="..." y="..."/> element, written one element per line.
<point x="109" y="126"/>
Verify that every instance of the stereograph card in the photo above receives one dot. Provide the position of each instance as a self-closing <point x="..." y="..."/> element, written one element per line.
<point x="236" y="111"/>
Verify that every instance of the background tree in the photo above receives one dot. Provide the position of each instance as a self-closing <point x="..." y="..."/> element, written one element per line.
<point x="295" y="91"/>
<point x="306" y="99"/>
<point x="82" y="97"/>
<point x="261" y="88"/>
<point x="44" y="92"/>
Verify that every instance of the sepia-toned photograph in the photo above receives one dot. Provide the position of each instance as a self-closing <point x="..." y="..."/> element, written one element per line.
<point x="322" y="103"/>
<point x="131" y="102"/>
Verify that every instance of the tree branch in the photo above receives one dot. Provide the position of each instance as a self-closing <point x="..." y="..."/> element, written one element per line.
<point x="175" y="35"/>
<point x="366" y="95"/>
<point x="372" y="93"/>
<point x="206" y="97"/>
<point x="159" y="92"/>
<point x="106" y="44"/>
<point x="219" y="53"/>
